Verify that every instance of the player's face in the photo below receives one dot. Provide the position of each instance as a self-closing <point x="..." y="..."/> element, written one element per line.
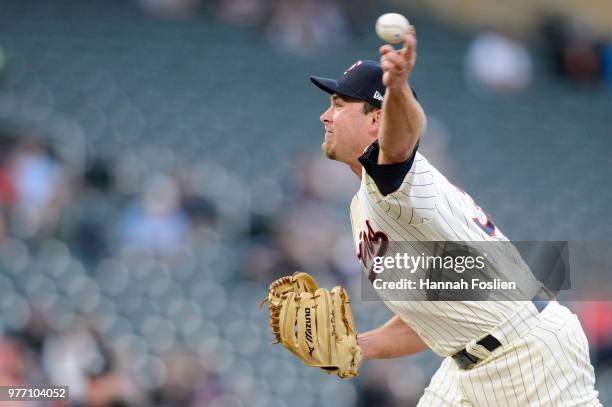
<point x="347" y="129"/>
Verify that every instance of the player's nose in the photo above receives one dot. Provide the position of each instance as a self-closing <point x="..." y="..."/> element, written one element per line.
<point x="326" y="116"/>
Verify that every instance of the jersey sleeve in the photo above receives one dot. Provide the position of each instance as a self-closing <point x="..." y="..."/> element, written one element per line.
<point x="405" y="192"/>
<point x="387" y="177"/>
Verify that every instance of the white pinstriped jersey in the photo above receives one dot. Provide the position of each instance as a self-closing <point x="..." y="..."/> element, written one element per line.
<point x="427" y="207"/>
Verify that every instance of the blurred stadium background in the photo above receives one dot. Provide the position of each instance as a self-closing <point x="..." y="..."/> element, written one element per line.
<point x="160" y="164"/>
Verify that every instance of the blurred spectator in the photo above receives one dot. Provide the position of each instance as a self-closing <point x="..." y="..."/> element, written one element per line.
<point x="87" y="220"/>
<point x="78" y="358"/>
<point x="70" y="356"/>
<point x="156" y="223"/>
<point x="11" y="362"/>
<point x="499" y="63"/>
<point x="596" y="319"/>
<point x="12" y="369"/>
<point x="8" y="194"/>
<point x="574" y="49"/>
<point x="41" y="189"/>
<point x="201" y="210"/>
<point x="304" y="26"/>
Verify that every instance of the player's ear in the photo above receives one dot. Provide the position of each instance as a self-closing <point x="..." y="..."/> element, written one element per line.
<point x="375" y="117"/>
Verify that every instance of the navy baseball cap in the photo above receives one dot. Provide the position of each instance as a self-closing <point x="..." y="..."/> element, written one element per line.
<point x="362" y="81"/>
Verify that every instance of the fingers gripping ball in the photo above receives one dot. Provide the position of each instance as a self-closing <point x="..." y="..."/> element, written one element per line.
<point x="391" y="27"/>
<point x="314" y="324"/>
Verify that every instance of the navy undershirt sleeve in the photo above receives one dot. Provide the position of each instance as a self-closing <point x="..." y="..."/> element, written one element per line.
<point x="388" y="177"/>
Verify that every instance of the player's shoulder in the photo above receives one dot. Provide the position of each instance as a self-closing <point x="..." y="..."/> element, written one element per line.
<point x="421" y="165"/>
<point x="421" y="175"/>
<point x="413" y="202"/>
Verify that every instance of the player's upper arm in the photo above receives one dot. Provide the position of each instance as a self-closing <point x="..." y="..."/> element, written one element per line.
<point x="401" y="125"/>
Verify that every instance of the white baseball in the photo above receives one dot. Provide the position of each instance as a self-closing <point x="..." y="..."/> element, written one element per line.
<point x="391" y="27"/>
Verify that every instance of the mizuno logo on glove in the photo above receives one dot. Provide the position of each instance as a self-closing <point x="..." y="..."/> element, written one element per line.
<point x="308" y="329"/>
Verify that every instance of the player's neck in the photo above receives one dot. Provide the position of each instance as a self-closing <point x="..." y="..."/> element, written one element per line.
<point x="356" y="168"/>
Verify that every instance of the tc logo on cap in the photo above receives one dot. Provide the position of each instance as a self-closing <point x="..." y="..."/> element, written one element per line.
<point x="352" y="67"/>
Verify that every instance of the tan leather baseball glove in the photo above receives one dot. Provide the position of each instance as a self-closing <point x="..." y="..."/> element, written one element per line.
<point x="315" y="324"/>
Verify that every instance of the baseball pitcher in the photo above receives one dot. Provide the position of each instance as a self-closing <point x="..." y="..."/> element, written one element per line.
<point x="496" y="353"/>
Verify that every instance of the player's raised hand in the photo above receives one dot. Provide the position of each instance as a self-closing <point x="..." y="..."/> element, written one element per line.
<point x="397" y="64"/>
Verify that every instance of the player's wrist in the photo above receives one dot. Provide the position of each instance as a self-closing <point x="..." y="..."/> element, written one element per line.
<point x="401" y="88"/>
<point x="366" y="343"/>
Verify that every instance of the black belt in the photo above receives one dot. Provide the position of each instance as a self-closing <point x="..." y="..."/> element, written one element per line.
<point x="466" y="360"/>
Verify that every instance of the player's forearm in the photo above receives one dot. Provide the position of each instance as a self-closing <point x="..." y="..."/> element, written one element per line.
<point x="401" y="125"/>
<point x="392" y="340"/>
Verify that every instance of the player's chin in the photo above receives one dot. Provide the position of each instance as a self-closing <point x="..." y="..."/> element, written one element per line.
<point x="328" y="151"/>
